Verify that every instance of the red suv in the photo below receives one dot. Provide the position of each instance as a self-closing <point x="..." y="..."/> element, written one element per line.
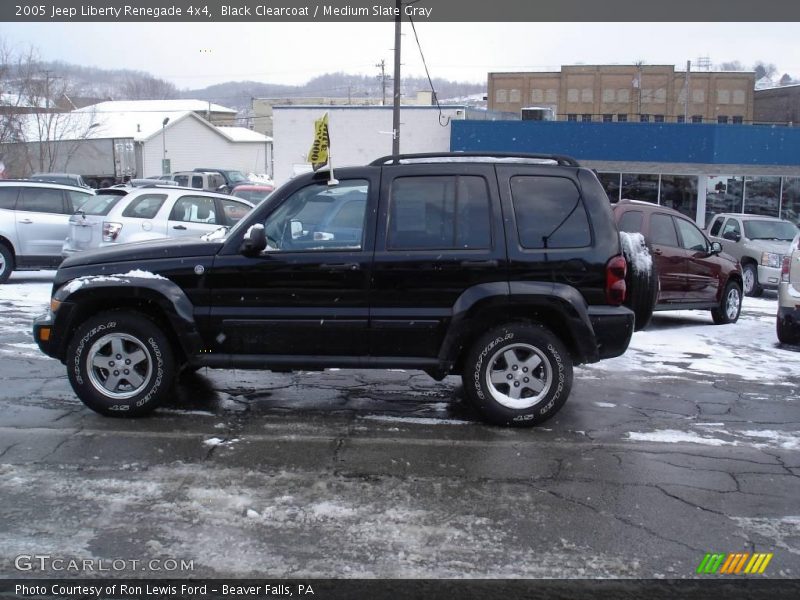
<point x="693" y="273"/>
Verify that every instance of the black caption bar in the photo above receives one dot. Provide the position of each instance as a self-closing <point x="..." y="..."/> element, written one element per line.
<point x="406" y="589"/>
<point x="386" y="10"/>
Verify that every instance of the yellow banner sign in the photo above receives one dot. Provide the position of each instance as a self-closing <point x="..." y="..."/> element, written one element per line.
<point x="318" y="155"/>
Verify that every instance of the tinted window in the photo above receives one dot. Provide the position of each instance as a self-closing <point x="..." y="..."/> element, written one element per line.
<point x="691" y="237"/>
<point x="662" y="230"/>
<point x="182" y="180"/>
<point x="233" y="210"/>
<point x="631" y="221"/>
<point x="716" y="226"/>
<point x="8" y="197"/>
<point x="439" y="213"/>
<point x="100" y="204"/>
<point x="197" y="181"/>
<point x="41" y="200"/>
<point x="194" y="209"/>
<point x="350" y="215"/>
<point x="145" y="206"/>
<point x="549" y="213"/>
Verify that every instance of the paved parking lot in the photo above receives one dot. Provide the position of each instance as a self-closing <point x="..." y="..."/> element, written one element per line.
<point x="688" y="444"/>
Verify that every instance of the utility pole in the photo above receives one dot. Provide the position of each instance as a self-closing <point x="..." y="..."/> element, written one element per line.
<point x="384" y="79"/>
<point x="396" y="109"/>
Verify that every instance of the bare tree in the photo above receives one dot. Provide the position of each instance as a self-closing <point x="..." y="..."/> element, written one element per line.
<point x="734" y="65"/>
<point x="763" y="69"/>
<point x="146" y="87"/>
<point x="786" y="79"/>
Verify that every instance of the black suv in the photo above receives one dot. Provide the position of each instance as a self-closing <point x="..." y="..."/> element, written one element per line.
<point x="506" y="270"/>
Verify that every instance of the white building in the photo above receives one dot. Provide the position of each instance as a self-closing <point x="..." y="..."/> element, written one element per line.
<point x="358" y="134"/>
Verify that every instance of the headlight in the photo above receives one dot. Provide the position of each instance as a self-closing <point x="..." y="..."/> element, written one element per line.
<point x="768" y="259"/>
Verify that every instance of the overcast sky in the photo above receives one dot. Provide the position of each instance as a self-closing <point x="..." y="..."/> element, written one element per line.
<point x="192" y="55"/>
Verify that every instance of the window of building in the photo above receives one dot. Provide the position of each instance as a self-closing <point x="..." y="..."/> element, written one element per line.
<point x="762" y="195"/>
<point x="790" y="200"/>
<point x="540" y="204"/>
<point x="607" y="118"/>
<point x="587" y="95"/>
<point x="623" y="95"/>
<point x="515" y="96"/>
<point x="622" y="117"/>
<point x="658" y="118"/>
<point x="724" y="194"/>
<point x="439" y="213"/>
<point x="723" y="97"/>
<point x="537" y="95"/>
<point x="551" y="95"/>
<point x="608" y="95"/>
<point x="681" y="119"/>
<point x="697" y="118"/>
<point x="679" y="192"/>
<point x="722" y="119"/>
<point x="644" y="118"/>
<point x="647" y="96"/>
<point x="586" y="117"/>
<point x="738" y="96"/>
<point x="611" y="184"/>
<point x="572" y="117"/>
<point x="640" y="187"/>
<point x="501" y="96"/>
<point x="698" y="96"/>
<point x="660" y="95"/>
<point x="738" y="119"/>
<point x="572" y="95"/>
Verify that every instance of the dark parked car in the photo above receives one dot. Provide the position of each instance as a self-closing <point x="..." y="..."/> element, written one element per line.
<point x="506" y="272"/>
<point x="62" y="178"/>
<point x="692" y="272"/>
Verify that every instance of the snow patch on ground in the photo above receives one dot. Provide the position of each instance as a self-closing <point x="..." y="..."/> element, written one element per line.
<point x="783" y="531"/>
<point x="605" y="404"/>
<point x="415" y="420"/>
<point x="675" y="436"/>
<point x="723" y="436"/>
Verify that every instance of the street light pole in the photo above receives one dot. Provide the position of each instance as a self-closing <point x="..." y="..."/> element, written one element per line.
<point x="164" y="169"/>
<point x="396" y="109"/>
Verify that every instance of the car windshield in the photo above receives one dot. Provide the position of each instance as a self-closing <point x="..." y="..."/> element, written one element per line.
<point x="236" y="176"/>
<point x="770" y="230"/>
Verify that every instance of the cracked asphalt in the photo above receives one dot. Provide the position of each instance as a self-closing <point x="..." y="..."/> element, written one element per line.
<point x="390" y="474"/>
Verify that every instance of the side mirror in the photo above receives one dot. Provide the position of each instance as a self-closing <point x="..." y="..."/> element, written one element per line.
<point x="732" y="236"/>
<point x="255" y="240"/>
<point x="296" y="228"/>
<point x="716" y="247"/>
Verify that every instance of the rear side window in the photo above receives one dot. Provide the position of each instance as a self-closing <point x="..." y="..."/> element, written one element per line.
<point x="197" y="181"/>
<point x="100" y="205"/>
<point x="234" y="211"/>
<point x="427" y="213"/>
<point x="41" y="200"/>
<point x="715" y="227"/>
<point x="194" y="209"/>
<point x="549" y="213"/>
<point x="662" y="230"/>
<point x="8" y="197"/>
<point x="145" y="206"/>
<point x="631" y="221"/>
<point x="182" y="180"/>
<point x="732" y="227"/>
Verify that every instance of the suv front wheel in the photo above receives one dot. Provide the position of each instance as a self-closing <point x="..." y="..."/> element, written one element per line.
<point x="6" y="263"/>
<point x="518" y="375"/>
<point x="730" y="305"/>
<point x="120" y="364"/>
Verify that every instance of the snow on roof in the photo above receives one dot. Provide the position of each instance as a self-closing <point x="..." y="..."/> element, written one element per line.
<point x="162" y="106"/>
<point x="19" y="101"/>
<point x="243" y="134"/>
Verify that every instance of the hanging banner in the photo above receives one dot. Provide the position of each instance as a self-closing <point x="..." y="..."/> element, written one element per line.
<point x="318" y="155"/>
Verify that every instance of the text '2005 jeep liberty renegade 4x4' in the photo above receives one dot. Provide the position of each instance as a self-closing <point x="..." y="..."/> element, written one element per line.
<point x="504" y="269"/>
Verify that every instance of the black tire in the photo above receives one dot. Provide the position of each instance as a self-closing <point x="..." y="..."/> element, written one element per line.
<point x="787" y="333"/>
<point x="750" y="276"/>
<point x="730" y="305"/>
<point x="641" y="291"/>
<point x="131" y="336"/>
<point x="533" y="347"/>
<point x="7" y="263"/>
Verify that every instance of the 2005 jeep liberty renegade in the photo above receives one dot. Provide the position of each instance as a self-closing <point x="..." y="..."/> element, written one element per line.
<point x="504" y="269"/>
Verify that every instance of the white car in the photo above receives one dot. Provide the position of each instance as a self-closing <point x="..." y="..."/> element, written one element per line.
<point x="788" y="320"/>
<point x="147" y="213"/>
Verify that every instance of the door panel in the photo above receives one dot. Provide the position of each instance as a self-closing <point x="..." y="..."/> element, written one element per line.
<point x="41" y="221"/>
<point x="670" y="258"/>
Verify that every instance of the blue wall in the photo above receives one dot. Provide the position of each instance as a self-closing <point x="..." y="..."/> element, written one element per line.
<point x="640" y="142"/>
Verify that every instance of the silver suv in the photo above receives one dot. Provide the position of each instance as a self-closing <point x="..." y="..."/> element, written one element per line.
<point x="758" y="242"/>
<point x="788" y="322"/>
<point x="148" y="213"/>
<point x="34" y="220"/>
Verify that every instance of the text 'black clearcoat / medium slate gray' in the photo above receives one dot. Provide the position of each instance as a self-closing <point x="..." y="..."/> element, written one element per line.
<point x="503" y="269"/>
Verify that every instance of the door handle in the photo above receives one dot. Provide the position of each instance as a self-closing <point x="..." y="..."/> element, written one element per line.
<point x="340" y="267"/>
<point x="479" y="263"/>
<point x="26" y="221"/>
<point x="179" y="227"/>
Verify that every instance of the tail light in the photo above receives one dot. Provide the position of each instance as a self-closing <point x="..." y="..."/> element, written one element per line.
<point x="616" y="268"/>
<point x="785" y="268"/>
<point x="111" y="231"/>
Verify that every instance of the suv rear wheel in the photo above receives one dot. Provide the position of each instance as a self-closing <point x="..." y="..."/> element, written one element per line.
<point x="6" y="263"/>
<point x="518" y="375"/>
<point x="120" y="364"/>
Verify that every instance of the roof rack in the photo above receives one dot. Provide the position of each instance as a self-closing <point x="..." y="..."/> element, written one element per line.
<point x="560" y="159"/>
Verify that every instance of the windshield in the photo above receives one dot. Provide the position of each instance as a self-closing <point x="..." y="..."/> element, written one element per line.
<point x="100" y="204"/>
<point x="769" y="230"/>
<point x="236" y="176"/>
